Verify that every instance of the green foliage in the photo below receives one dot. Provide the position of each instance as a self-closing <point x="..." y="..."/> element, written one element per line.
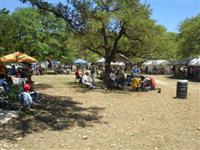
<point x="107" y="27"/>
<point x="89" y="29"/>
<point x="39" y="35"/>
<point x="5" y="22"/>
<point x="189" y="37"/>
<point x="110" y="27"/>
<point x="13" y="93"/>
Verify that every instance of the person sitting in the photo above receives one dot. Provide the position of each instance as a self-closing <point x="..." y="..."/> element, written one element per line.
<point x="146" y="83"/>
<point x="87" y="80"/>
<point x="153" y="83"/>
<point x="5" y="85"/>
<point x="113" y="79"/>
<point x="128" y="80"/>
<point x="120" y="78"/>
<point x="28" y="97"/>
<point x="136" y="83"/>
<point x="149" y="83"/>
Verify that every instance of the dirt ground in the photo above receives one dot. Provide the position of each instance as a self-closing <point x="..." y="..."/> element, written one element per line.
<point x="73" y="117"/>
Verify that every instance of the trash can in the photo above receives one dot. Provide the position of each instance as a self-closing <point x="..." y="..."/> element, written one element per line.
<point x="181" y="89"/>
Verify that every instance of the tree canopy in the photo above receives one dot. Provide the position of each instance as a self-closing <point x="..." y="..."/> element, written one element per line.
<point x="40" y="35"/>
<point x="189" y="37"/>
<point x="114" y="26"/>
<point x="91" y="29"/>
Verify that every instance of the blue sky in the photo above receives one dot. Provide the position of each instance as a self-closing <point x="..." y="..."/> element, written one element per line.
<point x="166" y="12"/>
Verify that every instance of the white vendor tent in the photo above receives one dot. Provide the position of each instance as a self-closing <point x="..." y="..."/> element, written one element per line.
<point x="117" y="63"/>
<point x="102" y="60"/>
<point x="118" y="58"/>
<point x="194" y="62"/>
<point x="157" y="66"/>
<point x="194" y="65"/>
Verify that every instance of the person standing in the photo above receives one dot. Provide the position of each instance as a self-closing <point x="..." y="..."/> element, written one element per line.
<point x="77" y="74"/>
<point x="135" y="71"/>
<point x="28" y="97"/>
<point x="146" y="69"/>
<point x="2" y="71"/>
<point x="13" y="70"/>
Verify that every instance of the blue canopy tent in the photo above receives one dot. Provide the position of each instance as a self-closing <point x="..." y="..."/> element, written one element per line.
<point x="81" y="61"/>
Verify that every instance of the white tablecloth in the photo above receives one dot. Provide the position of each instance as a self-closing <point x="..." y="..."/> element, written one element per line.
<point x="19" y="81"/>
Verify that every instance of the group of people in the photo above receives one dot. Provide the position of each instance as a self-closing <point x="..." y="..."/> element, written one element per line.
<point x="137" y="82"/>
<point x="119" y="80"/>
<point x="87" y="79"/>
<point x="27" y="96"/>
<point x="143" y="83"/>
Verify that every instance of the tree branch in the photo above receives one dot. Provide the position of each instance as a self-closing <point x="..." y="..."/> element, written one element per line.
<point x="95" y="51"/>
<point x="114" y="49"/>
<point x="60" y="11"/>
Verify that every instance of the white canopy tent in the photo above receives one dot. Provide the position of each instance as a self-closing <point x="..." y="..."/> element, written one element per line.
<point x="194" y="62"/>
<point x="102" y="60"/>
<point x="157" y="66"/>
<point x="117" y="64"/>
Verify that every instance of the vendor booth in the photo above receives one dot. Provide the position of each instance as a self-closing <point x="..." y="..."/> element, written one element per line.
<point x="180" y="68"/>
<point x="17" y="57"/>
<point x="194" y="69"/>
<point x="81" y="63"/>
<point x="156" y="67"/>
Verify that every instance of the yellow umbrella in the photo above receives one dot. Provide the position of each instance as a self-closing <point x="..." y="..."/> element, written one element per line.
<point x="17" y="57"/>
<point x="25" y="58"/>
<point x="10" y="57"/>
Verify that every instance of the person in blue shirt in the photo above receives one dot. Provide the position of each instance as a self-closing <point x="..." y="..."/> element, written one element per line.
<point x="135" y="71"/>
<point x="4" y="84"/>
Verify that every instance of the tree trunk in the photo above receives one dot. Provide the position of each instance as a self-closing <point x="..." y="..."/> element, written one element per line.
<point x="106" y="75"/>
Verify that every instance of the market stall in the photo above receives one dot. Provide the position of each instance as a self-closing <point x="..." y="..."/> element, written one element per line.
<point x="194" y="69"/>
<point x="156" y="66"/>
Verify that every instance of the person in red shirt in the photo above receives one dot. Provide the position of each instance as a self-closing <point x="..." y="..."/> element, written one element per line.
<point x="27" y="87"/>
<point x="77" y="74"/>
<point x="153" y="83"/>
<point x="28" y="97"/>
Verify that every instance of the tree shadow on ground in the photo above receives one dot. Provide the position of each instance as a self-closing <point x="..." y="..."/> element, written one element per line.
<point x="54" y="113"/>
<point x="99" y="88"/>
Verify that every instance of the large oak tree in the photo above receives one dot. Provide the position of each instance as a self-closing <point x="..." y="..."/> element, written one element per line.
<point x="108" y="27"/>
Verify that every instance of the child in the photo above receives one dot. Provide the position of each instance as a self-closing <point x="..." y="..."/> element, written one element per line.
<point x="27" y="96"/>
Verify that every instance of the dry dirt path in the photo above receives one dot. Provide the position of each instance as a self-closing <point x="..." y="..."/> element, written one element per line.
<point x="72" y="117"/>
